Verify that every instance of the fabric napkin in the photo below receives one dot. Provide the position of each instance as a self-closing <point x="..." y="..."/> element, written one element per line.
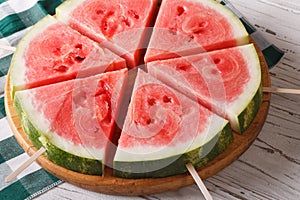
<point x="16" y="17"/>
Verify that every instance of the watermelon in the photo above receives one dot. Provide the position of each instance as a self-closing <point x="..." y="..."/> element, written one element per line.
<point x="53" y="52"/>
<point x="73" y="97"/>
<point x="119" y="24"/>
<point x="193" y="26"/>
<point x="227" y="81"/>
<point x="164" y="130"/>
<point x="74" y="120"/>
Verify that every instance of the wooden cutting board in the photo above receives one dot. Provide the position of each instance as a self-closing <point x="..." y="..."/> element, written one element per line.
<point x="119" y="186"/>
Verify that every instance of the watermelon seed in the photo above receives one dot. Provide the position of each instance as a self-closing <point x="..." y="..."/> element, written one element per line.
<point x="133" y="14"/>
<point x="191" y="38"/>
<point x="99" y="11"/>
<point x="180" y="10"/>
<point x="173" y="31"/>
<point x="148" y="121"/>
<point x="151" y="101"/>
<point x="61" y="68"/>
<point x="217" y="61"/>
<point x="79" y="59"/>
<point x="127" y="22"/>
<point x="78" y="46"/>
<point x="167" y="99"/>
<point x="96" y="130"/>
<point x="183" y="67"/>
<point x="203" y="24"/>
<point x="105" y="26"/>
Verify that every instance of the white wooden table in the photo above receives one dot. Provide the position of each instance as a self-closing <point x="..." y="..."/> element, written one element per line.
<point x="270" y="169"/>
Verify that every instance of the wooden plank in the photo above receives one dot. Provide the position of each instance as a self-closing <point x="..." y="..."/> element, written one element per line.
<point x="277" y="20"/>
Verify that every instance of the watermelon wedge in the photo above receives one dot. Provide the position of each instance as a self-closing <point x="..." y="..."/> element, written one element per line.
<point x="227" y="81"/>
<point x="53" y="52"/>
<point x="193" y="26"/>
<point x="119" y="24"/>
<point x="164" y="130"/>
<point x="74" y="120"/>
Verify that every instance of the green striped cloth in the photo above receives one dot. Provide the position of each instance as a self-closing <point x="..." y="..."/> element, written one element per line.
<point x="16" y="17"/>
<point x="271" y="52"/>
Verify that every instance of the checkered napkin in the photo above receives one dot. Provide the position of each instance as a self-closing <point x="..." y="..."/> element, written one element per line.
<point x="16" y="17"/>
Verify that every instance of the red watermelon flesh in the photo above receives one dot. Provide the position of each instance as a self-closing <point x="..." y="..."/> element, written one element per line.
<point x="54" y="52"/>
<point x="119" y="24"/>
<point x="193" y="26"/>
<point x="162" y="123"/>
<point x="77" y="116"/>
<point x="225" y="81"/>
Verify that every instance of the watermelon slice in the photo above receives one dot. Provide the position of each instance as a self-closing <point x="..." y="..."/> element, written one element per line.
<point x="226" y="81"/>
<point x="53" y="52"/>
<point x="119" y="24"/>
<point x="164" y="130"/>
<point x="73" y="120"/>
<point x="193" y="26"/>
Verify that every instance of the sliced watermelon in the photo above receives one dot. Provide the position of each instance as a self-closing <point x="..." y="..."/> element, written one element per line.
<point x="164" y="130"/>
<point x="53" y="52"/>
<point x="73" y="120"/>
<point x="226" y="81"/>
<point x="193" y="26"/>
<point x="120" y="24"/>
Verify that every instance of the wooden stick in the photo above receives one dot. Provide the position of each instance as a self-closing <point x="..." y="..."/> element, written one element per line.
<point x="198" y="181"/>
<point x="281" y="90"/>
<point x="25" y="165"/>
<point x="9" y="48"/>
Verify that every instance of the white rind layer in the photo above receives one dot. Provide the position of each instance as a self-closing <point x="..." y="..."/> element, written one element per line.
<point x="236" y="107"/>
<point x="40" y="122"/>
<point x="147" y="152"/>
<point x="17" y="70"/>
<point x="238" y="28"/>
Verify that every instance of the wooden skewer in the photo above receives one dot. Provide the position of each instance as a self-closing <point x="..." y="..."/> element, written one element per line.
<point x="281" y="90"/>
<point x="198" y="181"/>
<point x="9" y="48"/>
<point x="25" y="165"/>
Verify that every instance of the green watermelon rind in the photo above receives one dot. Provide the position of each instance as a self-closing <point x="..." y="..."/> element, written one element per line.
<point x="246" y="112"/>
<point x="53" y="153"/>
<point x="249" y="113"/>
<point x="220" y="142"/>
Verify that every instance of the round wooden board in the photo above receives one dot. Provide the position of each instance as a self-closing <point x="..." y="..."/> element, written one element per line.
<point x="118" y="186"/>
